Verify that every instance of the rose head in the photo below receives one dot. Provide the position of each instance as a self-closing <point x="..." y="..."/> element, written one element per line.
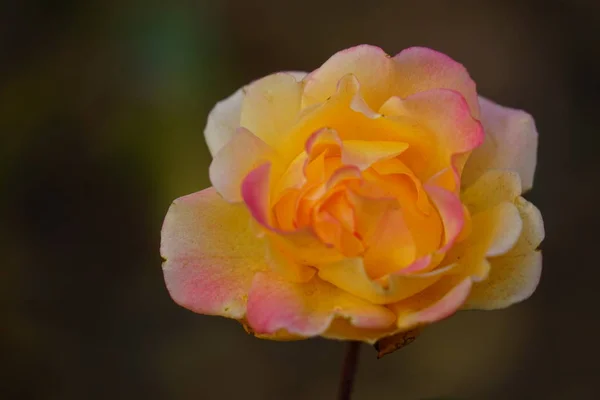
<point x="371" y="196"/>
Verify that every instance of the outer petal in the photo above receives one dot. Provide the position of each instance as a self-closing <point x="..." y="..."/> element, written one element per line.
<point x="235" y="160"/>
<point x="515" y="275"/>
<point x="451" y="212"/>
<point x="492" y="188"/>
<point x="224" y="118"/>
<point x="271" y="106"/>
<point x="211" y="254"/>
<point x="341" y="329"/>
<point x="369" y="64"/>
<point x="493" y="232"/>
<point x="510" y="143"/>
<point x="307" y="309"/>
<point x="501" y="226"/>
<point x="423" y="69"/>
<point x="433" y="304"/>
<point x="222" y="121"/>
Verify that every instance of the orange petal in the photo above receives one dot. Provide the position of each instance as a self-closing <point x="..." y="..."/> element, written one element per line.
<point x="302" y="244"/>
<point x="392" y="246"/>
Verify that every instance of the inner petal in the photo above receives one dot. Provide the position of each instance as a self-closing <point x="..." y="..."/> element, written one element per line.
<point x="391" y="248"/>
<point x="426" y="227"/>
<point x="338" y="206"/>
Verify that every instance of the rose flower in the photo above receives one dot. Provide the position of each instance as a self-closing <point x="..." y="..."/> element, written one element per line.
<point x="372" y="196"/>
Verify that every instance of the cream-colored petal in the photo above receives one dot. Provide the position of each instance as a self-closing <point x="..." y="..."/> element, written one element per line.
<point x="494" y="232"/>
<point x="223" y="120"/>
<point x="501" y="227"/>
<point x="342" y="329"/>
<point x="235" y="160"/>
<point x="514" y="276"/>
<point x="533" y="228"/>
<point x="271" y="106"/>
<point x="512" y="279"/>
<point x="511" y="141"/>
<point x="493" y="187"/>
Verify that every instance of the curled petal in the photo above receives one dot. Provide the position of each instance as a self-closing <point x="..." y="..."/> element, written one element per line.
<point x="437" y="302"/>
<point x="501" y="224"/>
<point x="255" y="192"/>
<point x="449" y="129"/>
<point x="235" y="160"/>
<point x="515" y="275"/>
<point x="533" y="228"/>
<point x="363" y="153"/>
<point x="451" y="212"/>
<point x="307" y="309"/>
<point x="398" y="178"/>
<point x="510" y="143"/>
<point x="445" y="112"/>
<point x="369" y="64"/>
<point x="493" y="232"/>
<point x="211" y="254"/>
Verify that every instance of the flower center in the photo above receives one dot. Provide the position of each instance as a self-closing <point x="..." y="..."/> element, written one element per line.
<point x="359" y="212"/>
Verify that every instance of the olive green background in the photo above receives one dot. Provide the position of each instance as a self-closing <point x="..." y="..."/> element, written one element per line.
<point x="102" y="108"/>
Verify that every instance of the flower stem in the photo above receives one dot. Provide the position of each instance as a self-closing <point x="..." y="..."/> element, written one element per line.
<point x="349" y="370"/>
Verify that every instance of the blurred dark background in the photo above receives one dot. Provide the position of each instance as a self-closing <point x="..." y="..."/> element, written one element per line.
<point x="102" y="108"/>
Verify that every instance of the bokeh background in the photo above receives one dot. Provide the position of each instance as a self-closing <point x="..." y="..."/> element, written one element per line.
<point x="102" y="108"/>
